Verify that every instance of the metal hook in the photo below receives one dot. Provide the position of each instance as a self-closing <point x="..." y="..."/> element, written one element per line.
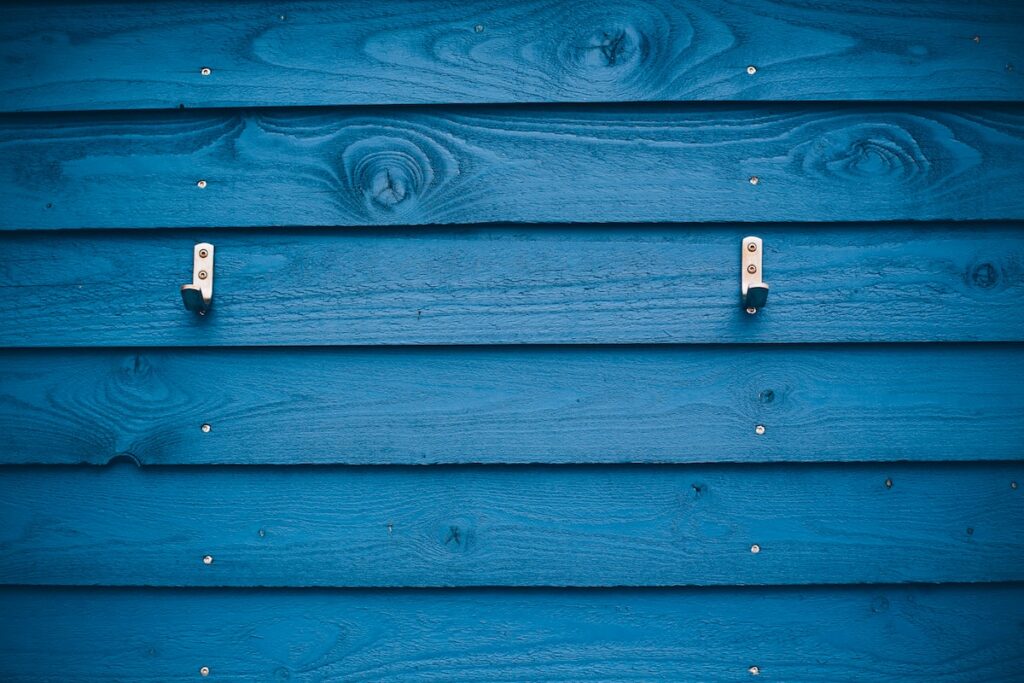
<point x="198" y="296"/>
<point x="753" y="290"/>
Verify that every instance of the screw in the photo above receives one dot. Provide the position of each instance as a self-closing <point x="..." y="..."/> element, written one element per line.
<point x="203" y="275"/>
<point x="205" y="71"/>
<point x="751" y="310"/>
<point x="754" y="180"/>
<point x="759" y="429"/>
<point x="207" y="559"/>
<point x="201" y="184"/>
<point x="752" y="246"/>
<point x="888" y="483"/>
<point x="755" y="671"/>
<point x="751" y="268"/>
<point x="204" y="671"/>
<point x="755" y="549"/>
<point x="206" y="428"/>
<point x="751" y="69"/>
<point x="203" y="253"/>
<point x="479" y="28"/>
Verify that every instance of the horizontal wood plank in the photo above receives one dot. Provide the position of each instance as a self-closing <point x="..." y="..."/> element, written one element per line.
<point x="458" y="165"/>
<point x="513" y="405"/>
<point x="131" y="55"/>
<point x="515" y="285"/>
<point x="886" y="634"/>
<point x="519" y="526"/>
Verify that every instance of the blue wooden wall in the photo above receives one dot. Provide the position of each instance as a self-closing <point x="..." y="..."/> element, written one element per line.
<point x="476" y="399"/>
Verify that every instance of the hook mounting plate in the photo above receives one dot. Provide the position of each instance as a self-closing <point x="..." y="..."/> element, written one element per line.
<point x="753" y="288"/>
<point x="198" y="296"/>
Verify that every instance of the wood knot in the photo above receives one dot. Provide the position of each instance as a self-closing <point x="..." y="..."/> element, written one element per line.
<point x="865" y="153"/>
<point x="983" y="276"/>
<point x="393" y="175"/>
<point x="620" y="48"/>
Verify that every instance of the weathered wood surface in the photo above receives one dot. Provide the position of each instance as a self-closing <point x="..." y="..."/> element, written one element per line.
<point x="515" y="285"/>
<point x="143" y="55"/>
<point x="514" y="405"/>
<point x="512" y="526"/>
<point x="886" y="634"/>
<point x="607" y="163"/>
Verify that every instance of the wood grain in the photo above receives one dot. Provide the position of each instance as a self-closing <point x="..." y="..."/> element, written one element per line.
<point x="456" y="165"/>
<point x="130" y="55"/>
<point x="516" y="526"/>
<point x="886" y="634"/>
<point x="549" y="405"/>
<point x="510" y="285"/>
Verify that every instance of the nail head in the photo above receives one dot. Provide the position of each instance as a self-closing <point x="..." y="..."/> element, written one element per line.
<point x="207" y="559"/>
<point x="751" y="69"/>
<point x="206" y="71"/>
<point x="888" y="483"/>
<point x="755" y="549"/>
<point x="206" y="428"/>
<point x="751" y="310"/>
<point x="478" y="28"/>
<point x="754" y="180"/>
<point x="204" y="671"/>
<point x="755" y="671"/>
<point x="759" y="429"/>
<point x="201" y="184"/>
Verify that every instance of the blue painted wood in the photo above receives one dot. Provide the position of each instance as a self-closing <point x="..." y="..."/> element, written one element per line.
<point x="499" y="285"/>
<point x="132" y="55"/>
<point x="327" y="167"/>
<point x="887" y="634"/>
<point x="538" y="404"/>
<point x="512" y="526"/>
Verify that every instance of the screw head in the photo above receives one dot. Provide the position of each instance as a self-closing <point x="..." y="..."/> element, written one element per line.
<point x="479" y="28"/>
<point x="204" y="671"/>
<point x="203" y="275"/>
<point x="751" y="268"/>
<point x="751" y="69"/>
<point x="755" y="671"/>
<point x="752" y="246"/>
<point x="207" y="559"/>
<point x="759" y="430"/>
<point x="203" y="253"/>
<point x="206" y="428"/>
<point x="201" y="184"/>
<point x="755" y="549"/>
<point x="751" y="310"/>
<point x="206" y="71"/>
<point x="754" y="180"/>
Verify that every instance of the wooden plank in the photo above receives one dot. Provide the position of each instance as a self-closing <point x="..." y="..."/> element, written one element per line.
<point x="517" y="526"/>
<point x="549" y="405"/>
<point x="886" y="634"/>
<point x="127" y="55"/>
<point x="409" y="166"/>
<point x="509" y="285"/>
